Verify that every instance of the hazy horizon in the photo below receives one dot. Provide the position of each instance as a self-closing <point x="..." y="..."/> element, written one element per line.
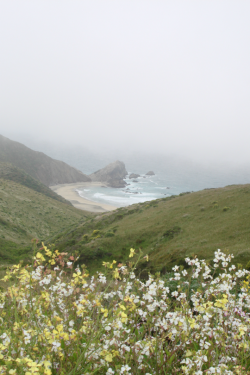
<point x="149" y="77"/>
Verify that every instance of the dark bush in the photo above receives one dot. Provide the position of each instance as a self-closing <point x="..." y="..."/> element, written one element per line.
<point x="170" y="233"/>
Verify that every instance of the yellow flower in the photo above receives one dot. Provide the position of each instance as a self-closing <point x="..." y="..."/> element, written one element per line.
<point x="132" y="252"/>
<point x="124" y="317"/>
<point x="116" y="274"/>
<point x="47" y="364"/>
<point x="109" y="358"/>
<point x="105" y="264"/>
<point x="105" y="312"/>
<point x="242" y="329"/>
<point x="192" y="323"/>
<point x="222" y="302"/>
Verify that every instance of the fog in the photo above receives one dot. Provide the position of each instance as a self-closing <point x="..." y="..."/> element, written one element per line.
<point x="156" y="77"/>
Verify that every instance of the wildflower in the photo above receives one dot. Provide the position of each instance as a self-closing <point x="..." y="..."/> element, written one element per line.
<point x="174" y="294"/>
<point x="109" y="358"/>
<point x="110" y="371"/>
<point x="132" y="252"/>
<point x="116" y="274"/>
<point x="56" y="345"/>
<point x="125" y="368"/>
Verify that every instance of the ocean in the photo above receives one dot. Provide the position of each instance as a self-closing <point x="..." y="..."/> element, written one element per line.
<point x="173" y="174"/>
<point x="172" y="177"/>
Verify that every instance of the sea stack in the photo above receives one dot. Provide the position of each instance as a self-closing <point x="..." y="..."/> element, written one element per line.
<point x="112" y="175"/>
<point x="150" y="173"/>
<point x="133" y="175"/>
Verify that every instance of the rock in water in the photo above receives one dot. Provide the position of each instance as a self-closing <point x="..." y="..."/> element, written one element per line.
<point x="134" y="175"/>
<point x="113" y="175"/>
<point x="150" y="173"/>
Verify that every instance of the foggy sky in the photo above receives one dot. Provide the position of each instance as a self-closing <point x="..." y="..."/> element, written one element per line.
<point x="157" y="76"/>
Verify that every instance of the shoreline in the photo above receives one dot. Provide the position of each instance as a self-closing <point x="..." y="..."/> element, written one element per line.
<point x="68" y="191"/>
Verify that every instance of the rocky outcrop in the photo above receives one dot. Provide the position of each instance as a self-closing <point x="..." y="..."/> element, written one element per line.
<point x="150" y="173"/>
<point x="113" y="175"/>
<point x="38" y="165"/>
<point x="133" y="175"/>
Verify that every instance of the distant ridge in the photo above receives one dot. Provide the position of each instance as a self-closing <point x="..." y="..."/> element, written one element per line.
<point x="38" y="165"/>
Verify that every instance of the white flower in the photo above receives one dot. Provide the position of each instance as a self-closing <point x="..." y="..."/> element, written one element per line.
<point x="125" y="368"/>
<point x="174" y="294"/>
<point x="102" y="278"/>
<point x="56" y="345"/>
<point x="110" y="371"/>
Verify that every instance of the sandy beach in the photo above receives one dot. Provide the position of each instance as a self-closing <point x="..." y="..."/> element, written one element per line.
<point x="68" y="191"/>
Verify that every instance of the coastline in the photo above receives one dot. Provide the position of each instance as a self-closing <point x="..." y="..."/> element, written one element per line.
<point x="68" y="191"/>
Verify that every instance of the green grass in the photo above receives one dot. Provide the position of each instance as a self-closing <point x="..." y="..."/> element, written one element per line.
<point x="168" y="229"/>
<point x="12" y="173"/>
<point x="26" y="214"/>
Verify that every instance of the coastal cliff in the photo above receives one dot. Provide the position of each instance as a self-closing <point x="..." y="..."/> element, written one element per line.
<point x="112" y="175"/>
<point x="38" y="165"/>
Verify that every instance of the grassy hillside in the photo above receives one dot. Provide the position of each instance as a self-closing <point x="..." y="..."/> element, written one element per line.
<point x="168" y="229"/>
<point x="26" y="213"/>
<point x="12" y="173"/>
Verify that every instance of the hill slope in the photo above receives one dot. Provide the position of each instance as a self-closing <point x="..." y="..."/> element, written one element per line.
<point x="38" y="165"/>
<point x="12" y="173"/>
<point x="168" y="229"/>
<point x="26" y="213"/>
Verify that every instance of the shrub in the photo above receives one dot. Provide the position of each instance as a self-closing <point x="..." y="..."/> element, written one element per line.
<point x="109" y="234"/>
<point x="119" y="216"/>
<point x="96" y="232"/>
<point x="170" y="233"/>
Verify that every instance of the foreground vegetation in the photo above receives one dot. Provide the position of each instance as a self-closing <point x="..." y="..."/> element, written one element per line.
<point x="55" y="319"/>
<point x="169" y="229"/>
